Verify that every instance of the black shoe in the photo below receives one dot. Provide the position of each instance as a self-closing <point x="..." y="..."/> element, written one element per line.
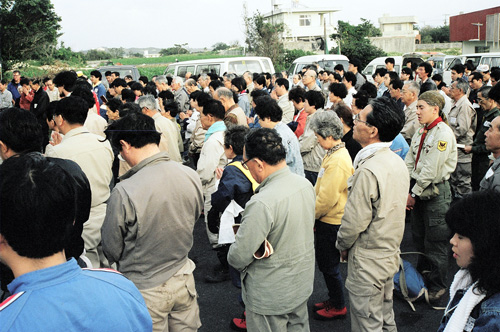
<point x="218" y="276"/>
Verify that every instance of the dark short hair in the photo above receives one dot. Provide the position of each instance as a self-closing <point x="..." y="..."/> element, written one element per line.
<point x="107" y="73"/>
<point x="215" y="84"/>
<point x="390" y="60"/>
<point x="437" y="77"/>
<point x="73" y="109"/>
<point x="386" y="117"/>
<point x="380" y="71"/>
<point x="266" y="145"/>
<point x="477" y="217"/>
<point x="129" y="77"/>
<point x="355" y="62"/>
<point x="337" y="76"/>
<point x="261" y="80"/>
<point x="235" y="137"/>
<point x="20" y="130"/>
<point x="283" y="82"/>
<point x="136" y="129"/>
<point x="172" y="107"/>
<point x="37" y="205"/>
<point x="240" y="83"/>
<point x="119" y="82"/>
<point x="96" y="74"/>
<point x="475" y="76"/>
<point x="370" y="89"/>
<point x="214" y="108"/>
<point x="407" y="71"/>
<point x="259" y="93"/>
<point x="338" y="89"/>
<point x="128" y="96"/>
<point x="113" y="104"/>
<point x="427" y="67"/>
<point x="266" y="107"/>
<point x="50" y="111"/>
<point x="361" y="99"/>
<point x="396" y="84"/>
<point x="495" y="73"/>
<point x="315" y="98"/>
<point x="144" y="79"/>
<point x="350" y="77"/>
<point x="297" y="94"/>
<point x="136" y="86"/>
<point x="66" y="79"/>
<point x="25" y="81"/>
<point x="339" y="67"/>
<point x="203" y="98"/>
<point x="459" y="68"/>
<point x="345" y="114"/>
<point x="127" y="108"/>
<point x="116" y="73"/>
<point x="85" y="94"/>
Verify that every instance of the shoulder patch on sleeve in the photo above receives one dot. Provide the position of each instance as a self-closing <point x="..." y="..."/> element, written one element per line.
<point x="11" y="299"/>
<point x="442" y="145"/>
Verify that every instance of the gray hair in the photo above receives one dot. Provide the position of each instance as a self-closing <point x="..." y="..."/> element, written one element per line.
<point x="204" y="77"/>
<point x="462" y="85"/>
<point x="312" y="73"/>
<point x="224" y="92"/>
<point x="178" y="80"/>
<point x="327" y="124"/>
<point x="413" y="87"/>
<point x="230" y="76"/>
<point x="485" y="91"/>
<point x="162" y="79"/>
<point x="147" y="101"/>
<point x="190" y="82"/>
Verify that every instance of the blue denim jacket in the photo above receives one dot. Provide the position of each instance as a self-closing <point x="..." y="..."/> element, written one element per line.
<point x="489" y="314"/>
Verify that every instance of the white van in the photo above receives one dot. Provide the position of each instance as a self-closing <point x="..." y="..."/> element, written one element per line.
<point x="325" y="61"/>
<point x="399" y="62"/>
<point x="490" y="59"/>
<point x="219" y="66"/>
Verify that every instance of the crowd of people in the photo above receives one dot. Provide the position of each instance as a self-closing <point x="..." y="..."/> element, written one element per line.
<point x="106" y="180"/>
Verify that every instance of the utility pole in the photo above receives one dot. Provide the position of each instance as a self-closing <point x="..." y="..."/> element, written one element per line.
<point x="325" y="36"/>
<point x="479" y="25"/>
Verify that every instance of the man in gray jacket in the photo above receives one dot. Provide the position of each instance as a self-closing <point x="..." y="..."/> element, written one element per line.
<point x="148" y="229"/>
<point x="275" y="288"/>
<point x="374" y="218"/>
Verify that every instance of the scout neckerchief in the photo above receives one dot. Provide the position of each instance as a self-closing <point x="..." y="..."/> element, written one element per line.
<point x="422" y="138"/>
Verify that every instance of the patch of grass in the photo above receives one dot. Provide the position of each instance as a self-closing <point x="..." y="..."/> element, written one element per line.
<point x="170" y="58"/>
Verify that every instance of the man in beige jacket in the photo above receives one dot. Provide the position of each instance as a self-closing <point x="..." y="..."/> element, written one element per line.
<point x="373" y="223"/>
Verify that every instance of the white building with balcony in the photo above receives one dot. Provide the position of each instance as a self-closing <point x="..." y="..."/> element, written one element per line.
<point x="305" y="28"/>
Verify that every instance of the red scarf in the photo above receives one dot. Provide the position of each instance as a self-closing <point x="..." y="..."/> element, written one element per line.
<point x="422" y="138"/>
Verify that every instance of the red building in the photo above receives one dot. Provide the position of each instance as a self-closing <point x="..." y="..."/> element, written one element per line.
<point x="464" y="28"/>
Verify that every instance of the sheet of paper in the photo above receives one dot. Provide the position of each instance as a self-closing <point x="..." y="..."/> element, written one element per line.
<point x="226" y="234"/>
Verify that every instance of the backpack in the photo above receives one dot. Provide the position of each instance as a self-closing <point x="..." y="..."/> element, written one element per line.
<point x="409" y="284"/>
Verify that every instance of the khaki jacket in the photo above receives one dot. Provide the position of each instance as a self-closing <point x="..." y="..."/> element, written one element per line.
<point x="287" y="107"/>
<point x="374" y="220"/>
<point x="411" y="121"/>
<point x="438" y="158"/>
<point x="168" y="140"/>
<point x="462" y="119"/>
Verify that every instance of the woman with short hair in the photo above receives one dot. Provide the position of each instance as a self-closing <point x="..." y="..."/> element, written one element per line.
<point x="331" y="196"/>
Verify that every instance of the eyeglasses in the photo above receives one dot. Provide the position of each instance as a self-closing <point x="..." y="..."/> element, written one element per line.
<point x="244" y="163"/>
<point x="356" y="119"/>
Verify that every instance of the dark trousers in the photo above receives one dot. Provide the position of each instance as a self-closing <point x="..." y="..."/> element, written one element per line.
<point x="328" y="258"/>
<point x="431" y="236"/>
<point x="311" y="176"/>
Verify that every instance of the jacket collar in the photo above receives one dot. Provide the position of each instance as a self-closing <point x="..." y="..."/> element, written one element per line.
<point x="154" y="159"/>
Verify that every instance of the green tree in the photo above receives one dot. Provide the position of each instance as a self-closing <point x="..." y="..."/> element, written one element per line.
<point x="117" y="52"/>
<point x="264" y="38"/>
<point x="291" y="55"/>
<point x="435" y="35"/>
<point x="352" y="41"/>
<point x="173" y="51"/>
<point x="220" y="47"/>
<point x="28" y="30"/>
<point x="97" y="55"/>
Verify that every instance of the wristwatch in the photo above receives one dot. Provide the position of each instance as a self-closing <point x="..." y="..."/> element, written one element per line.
<point x="413" y="195"/>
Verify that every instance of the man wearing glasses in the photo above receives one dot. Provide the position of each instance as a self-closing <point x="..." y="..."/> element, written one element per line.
<point x="374" y="217"/>
<point x="275" y="289"/>
<point x="14" y="85"/>
<point x="480" y="160"/>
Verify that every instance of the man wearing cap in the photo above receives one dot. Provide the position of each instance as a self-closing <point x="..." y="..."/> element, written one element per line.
<point x="485" y="70"/>
<point x="431" y="160"/>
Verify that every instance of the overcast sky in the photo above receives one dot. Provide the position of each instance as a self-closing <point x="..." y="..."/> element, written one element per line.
<point x="202" y="23"/>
